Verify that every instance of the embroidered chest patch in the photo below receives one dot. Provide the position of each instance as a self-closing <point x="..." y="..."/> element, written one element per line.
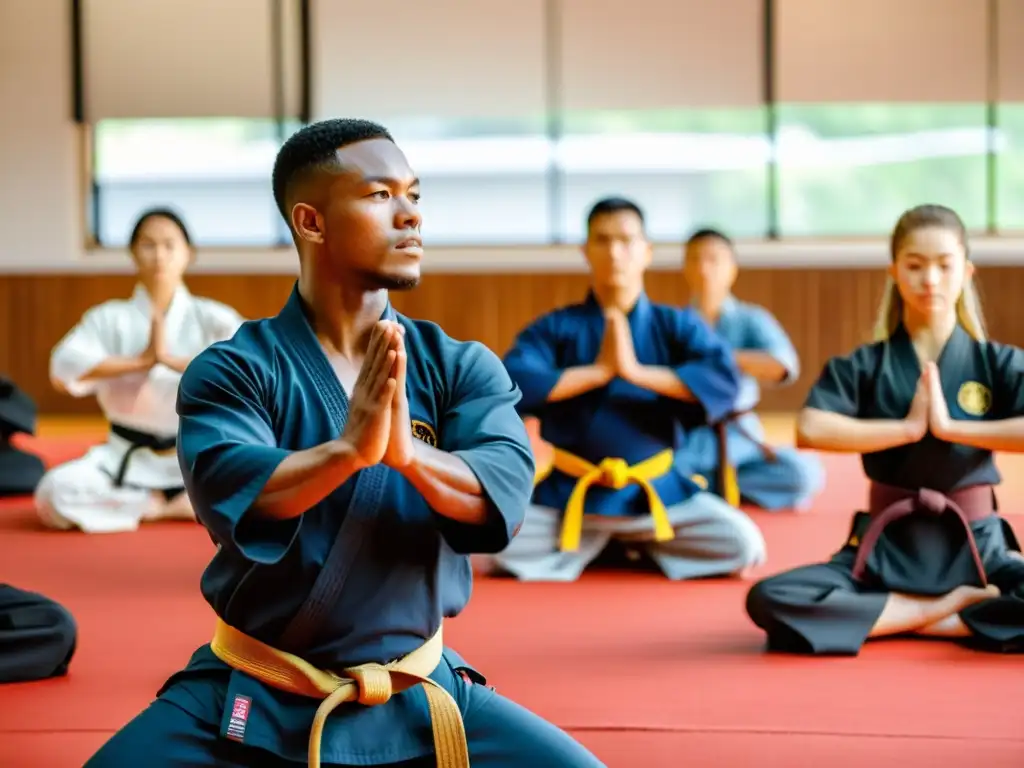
<point x="974" y="399"/>
<point x="423" y="431"/>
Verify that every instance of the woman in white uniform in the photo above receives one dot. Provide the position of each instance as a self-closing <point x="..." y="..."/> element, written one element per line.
<point x="130" y="355"/>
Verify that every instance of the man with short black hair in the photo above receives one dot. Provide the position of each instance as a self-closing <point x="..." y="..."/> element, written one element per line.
<point x="773" y="478"/>
<point x="347" y="460"/>
<point x="615" y="383"/>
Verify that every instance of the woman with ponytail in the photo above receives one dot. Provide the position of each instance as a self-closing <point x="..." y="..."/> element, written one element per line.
<point x="926" y="405"/>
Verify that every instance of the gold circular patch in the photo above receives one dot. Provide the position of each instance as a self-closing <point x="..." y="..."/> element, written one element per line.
<point x="423" y="431"/>
<point x="974" y="399"/>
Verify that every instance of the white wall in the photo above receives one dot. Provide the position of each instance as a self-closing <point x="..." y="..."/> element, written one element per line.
<point x="40" y="199"/>
<point x="41" y="184"/>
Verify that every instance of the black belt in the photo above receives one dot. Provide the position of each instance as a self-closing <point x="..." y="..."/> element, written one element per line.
<point x="138" y="440"/>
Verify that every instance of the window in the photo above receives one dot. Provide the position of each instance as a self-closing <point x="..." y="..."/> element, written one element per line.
<point x="518" y="134"/>
<point x="851" y="170"/>
<point x="1009" y="192"/>
<point x="483" y="180"/>
<point x="685" y="168"/>
<point x="843" y="171"/>
<point x="470" y="112"/>
<point x="663" y="104"/>
<point x="215" y="172"/>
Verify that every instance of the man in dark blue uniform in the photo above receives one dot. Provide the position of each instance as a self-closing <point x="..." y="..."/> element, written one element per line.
<point x="347" y="460"/>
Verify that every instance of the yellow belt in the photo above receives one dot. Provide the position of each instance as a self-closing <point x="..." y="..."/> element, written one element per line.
<point x="610" y="473"/>
<point x="367" y="684"/>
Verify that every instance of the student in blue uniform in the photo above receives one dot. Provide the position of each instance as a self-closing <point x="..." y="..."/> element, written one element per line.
<point x="346" y="460"/>
<point x="769" y="477"/>
<point x="615" y="382"/>
<point x="925" y="405"/>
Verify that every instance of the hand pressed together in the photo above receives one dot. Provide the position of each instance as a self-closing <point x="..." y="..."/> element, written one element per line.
<point x="617" y="353"/>
<point x="928" y="410"/>
<point x="378" y="427"/>
<point x="156" y="349"/>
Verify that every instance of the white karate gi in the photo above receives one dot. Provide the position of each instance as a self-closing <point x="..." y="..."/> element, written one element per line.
<point x="82" y="493"/>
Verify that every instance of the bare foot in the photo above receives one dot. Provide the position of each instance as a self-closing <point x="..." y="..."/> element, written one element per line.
<point x="155" y="510"/>
<point x="965" y="596"/>
<point x="179" y="508"/>
<point x="952" y="625"/>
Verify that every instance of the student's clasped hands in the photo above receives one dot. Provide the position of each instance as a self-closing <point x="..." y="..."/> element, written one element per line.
<point x="378" y="427"/>
<point x="928" y="410"/>
<point x="617" y="353"/>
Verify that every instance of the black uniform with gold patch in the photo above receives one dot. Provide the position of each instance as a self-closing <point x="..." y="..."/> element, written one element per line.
<point x="823" y="608"/>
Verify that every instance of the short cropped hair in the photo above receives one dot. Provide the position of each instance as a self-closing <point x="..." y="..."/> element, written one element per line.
<point x="709" y="233"/>
<point x="610" y="205"/>
<point x="314" y="148"/>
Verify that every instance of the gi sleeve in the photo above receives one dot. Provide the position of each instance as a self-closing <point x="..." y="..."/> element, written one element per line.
<point x="83" y="348"/>
<point x="837" y="389"/>
<point x="532" y="364"/>
<point x="765" y="334"/>
<point x="1008" y="400"/>
<point x="481" y="427"/>
<point x="227" y="451"/>
<point x="708" y="367"/>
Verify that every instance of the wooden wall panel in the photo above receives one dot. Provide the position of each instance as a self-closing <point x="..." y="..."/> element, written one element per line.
<point x="825" y="311"/>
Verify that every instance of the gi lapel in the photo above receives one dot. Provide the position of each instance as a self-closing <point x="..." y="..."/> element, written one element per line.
<point x="179" y="313"/>
<point x="301" y="631"/>
<point x="906" y="368"/>
<point x="957" y="370"/>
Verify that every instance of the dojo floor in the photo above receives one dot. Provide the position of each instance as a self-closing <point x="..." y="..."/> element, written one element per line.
<point x="647" y="673"/>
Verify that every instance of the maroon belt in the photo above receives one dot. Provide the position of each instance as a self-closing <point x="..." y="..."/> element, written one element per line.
<point x="722" y="433"/>
<point x="888" y="504"/>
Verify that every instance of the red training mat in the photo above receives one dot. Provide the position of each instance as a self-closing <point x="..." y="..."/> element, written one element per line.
<point x="647" y="673"/>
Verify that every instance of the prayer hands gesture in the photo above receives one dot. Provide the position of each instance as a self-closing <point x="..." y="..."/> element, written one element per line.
<point x="617" y="354"/>
<point x="939" y="421"/>
<point x="917" y="417"/>
<point x="928" y="410"/>
<point x="368" y="429"/>
<point x="378" y="427"/>
<point x="399" y="452"/>
<point x="156" y="350"/>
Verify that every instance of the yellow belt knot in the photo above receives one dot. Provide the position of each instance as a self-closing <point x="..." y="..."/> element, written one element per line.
<point x="614" y="474"/>
<point x="374" y="683"/>
<point x="368" y="684"/>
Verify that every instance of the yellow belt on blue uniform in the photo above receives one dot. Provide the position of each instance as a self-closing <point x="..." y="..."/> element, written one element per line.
<point x="610" y="473"/>
<point x="367" y="684"/>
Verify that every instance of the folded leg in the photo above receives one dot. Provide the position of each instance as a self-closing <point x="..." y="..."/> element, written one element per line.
<point x="790" y="481"/>
<point x="815" y="609"/>
<point x="500" y="734"/>
<point x="78" y="494"/>
<point x="998" y="624"/>
<point x="37" y="636"/>
<point x="534" y="553"/>
<point x="166" y="736"/>
<point x="712" y="539"/>
<point x="503" y="734"/>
